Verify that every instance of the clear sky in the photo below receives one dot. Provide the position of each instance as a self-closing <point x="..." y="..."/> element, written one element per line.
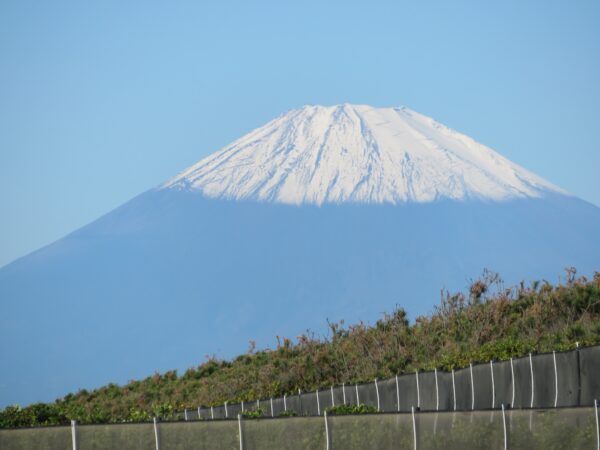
<point x="100" y="101"/>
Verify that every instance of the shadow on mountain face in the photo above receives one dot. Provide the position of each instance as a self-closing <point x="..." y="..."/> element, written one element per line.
<point x="172" y="276"/>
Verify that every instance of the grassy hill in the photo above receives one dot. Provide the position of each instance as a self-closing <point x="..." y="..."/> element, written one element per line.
<point x="488" y="322"/>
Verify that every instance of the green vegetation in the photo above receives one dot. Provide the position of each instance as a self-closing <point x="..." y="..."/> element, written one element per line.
<point x="489" y="322"/>
<point x="288" y="413"/>
<point x="253" y="413"/>
<point x="351" y="409"/>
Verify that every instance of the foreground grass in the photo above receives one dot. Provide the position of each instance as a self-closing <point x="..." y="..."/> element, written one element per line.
<point x="488" y="322"/>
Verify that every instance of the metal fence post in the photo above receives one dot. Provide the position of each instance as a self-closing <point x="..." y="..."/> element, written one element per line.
<point x="472" y="388"/>
<point x="344" y="392"/>
<point x="532" y="386"/>
<point x="199" y="413"/>
<point x="504" y="427"/>
<point x="240" y="431"/>
<point x="578" y="374"/>
<point x="512" y="377"/>
<point x="357" y="397"/>
<point x="414" y="422"/>
<point x="493" y="385"/>
<point x="453" y="389"/>
<point x="212" y="413"/>
<point x="272" y="413"/>
<point x="318" y="403"/>
<point x="155" y="422"/>
<point x="397" y="394"/>
<point x="332" y="398"/>
<point x="185" y="416"/>
<point x="437" y="392"/>
<point x="418" y="390"/>
<point x="555" y="380"/>
<point x="74" y="434"/>
<point x="284" y="402"/>
<point x="242" y="405"/>
<point x="597" y="425"/>
<point x="226" y="413"/>
<point x="326" y="432"/>
<point x="377" y="392"/>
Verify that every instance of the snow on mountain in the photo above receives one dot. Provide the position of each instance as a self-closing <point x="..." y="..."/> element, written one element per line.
<point x="357" y="153"/>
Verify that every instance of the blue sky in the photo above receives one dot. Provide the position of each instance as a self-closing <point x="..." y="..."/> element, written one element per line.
<point x="100" y="101"/>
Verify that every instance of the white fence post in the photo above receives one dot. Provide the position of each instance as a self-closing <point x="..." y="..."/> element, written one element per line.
<point x="437" y="392"/>
<point x="512" y="377"/>
<point x="156" y="433"/>
<point x="414" y="422"/>
<point x="318" y="403"/>
<point x="418" y="390"/>
<point x="74" y="434"/>
<point x="532" y="385"/>
<point x="284" y="402"/>
<point x="226" y="413"/>
<point x="212" y="413"/>
<point x="357" y="397"/>
<point x="326" y="432"/>
<point x="453" y="389"/>
<point x="504" y="427"/>
<point x="332" y="398"/>
<point x="185" y="416"/>
<point x="597" y="425"/>
<point x="397" y="394"/>
<point x="242" y="405"/>
<point x="199" y="413"/>
<point x="493" y="385"/>
<point x="472" y="388"/>
<point x="272" y="413"/>
<point x="240" y="429"/>
<point x="555" y="380"/>
<point x="344" y="392"/>
<point x="377" y="392"/>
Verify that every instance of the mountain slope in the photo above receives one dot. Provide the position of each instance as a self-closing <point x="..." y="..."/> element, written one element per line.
<point x="178" y="273"/>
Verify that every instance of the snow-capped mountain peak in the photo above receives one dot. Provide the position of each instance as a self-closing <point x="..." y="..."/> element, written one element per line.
<point x="361" y="154"/>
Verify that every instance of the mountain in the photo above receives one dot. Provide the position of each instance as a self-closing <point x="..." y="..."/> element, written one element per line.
<point x="324" y="213"/>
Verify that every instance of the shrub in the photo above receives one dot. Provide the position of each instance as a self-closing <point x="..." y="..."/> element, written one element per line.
<point x="163" y="411"/>
<point x="253" y="413"/>
<point x="351" y="409"/>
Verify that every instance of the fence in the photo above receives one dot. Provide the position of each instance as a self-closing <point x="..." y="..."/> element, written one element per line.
<point x="550" y="380"/>
<point x="561" y="428"/>
<point x="539" y="393"/>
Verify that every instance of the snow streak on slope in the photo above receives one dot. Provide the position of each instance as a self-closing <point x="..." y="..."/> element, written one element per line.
<point x="356" y="153"/>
